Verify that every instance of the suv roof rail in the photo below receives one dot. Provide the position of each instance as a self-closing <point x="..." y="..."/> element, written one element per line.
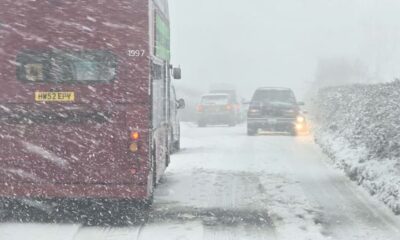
<point x="273" y="88"/>
<point x="215" y="94"/>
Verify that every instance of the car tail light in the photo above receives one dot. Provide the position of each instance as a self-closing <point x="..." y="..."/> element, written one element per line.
<point x="200" y="108"/>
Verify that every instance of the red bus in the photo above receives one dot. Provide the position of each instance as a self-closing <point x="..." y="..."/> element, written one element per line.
<point x="83" y="98"/>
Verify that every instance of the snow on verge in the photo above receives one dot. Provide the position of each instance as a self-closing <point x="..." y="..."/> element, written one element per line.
<point x="358" y="126"/>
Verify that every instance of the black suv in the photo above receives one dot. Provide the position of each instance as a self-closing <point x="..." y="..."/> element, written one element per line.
<point x="275" y="109"/>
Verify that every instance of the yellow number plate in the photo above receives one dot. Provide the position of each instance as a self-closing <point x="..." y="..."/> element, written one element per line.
<point x="54" y="96"/>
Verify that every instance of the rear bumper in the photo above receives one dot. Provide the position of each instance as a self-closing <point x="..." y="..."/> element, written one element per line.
<point x="75" y="191"/>
<point x="279" y="124"/>
<point x="216" y="117"/>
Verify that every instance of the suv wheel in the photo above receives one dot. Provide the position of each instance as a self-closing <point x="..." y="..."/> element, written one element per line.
<point x="293" y="132"/>
<point x="251" y="131"/>
<point x="177" y="146"/>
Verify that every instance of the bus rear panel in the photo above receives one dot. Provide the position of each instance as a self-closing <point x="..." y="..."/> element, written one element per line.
<point x="72" y="93"/>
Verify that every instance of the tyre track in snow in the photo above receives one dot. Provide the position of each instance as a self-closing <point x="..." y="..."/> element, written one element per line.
<point x="203" y="203"/>
<point x="346" y="210"/>
<point x="226" y="185"/>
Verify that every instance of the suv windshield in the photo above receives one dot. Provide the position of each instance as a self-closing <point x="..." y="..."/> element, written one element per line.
<point x="284" y="96"/>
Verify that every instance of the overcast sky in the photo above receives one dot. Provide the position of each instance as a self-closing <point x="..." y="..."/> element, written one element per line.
<point x="253" y="43"/>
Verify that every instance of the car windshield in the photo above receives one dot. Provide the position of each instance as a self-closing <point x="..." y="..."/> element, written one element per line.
<point x="199" y="119"/>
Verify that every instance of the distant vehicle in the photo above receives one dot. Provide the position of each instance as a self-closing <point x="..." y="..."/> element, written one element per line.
<point x="83" y="112"/>
<point x="233" y="98"/>
<point x="275" y="109"/>
<point x="174" y="125"/>
<point x="216" y="109"/>
<point x="232" y="93"/>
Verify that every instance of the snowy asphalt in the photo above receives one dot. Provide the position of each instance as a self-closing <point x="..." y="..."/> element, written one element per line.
<point x="227" y="185"/>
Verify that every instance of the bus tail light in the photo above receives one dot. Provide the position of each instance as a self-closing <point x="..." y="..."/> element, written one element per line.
<point x="134" y="147"/>
<point x="229" y="107"/>
<point x="135" y="136"/>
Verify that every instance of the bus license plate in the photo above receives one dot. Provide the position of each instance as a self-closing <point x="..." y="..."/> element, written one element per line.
<point x="54" y="96"/>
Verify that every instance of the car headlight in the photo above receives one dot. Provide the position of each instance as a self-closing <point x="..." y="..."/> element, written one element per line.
<point x="300" y="119"/>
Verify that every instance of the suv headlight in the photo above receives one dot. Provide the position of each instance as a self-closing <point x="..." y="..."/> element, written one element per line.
<point x="300" y="119"/>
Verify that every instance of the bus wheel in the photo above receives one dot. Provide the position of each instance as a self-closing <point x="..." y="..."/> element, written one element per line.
<point x="293" y="133"/>
<point x="251" y="131"/>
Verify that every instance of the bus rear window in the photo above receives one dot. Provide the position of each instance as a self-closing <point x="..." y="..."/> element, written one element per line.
<point x="57" y="66"/>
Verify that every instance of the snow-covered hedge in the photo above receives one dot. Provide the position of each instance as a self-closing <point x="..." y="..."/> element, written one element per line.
<point x="358" y="126"/>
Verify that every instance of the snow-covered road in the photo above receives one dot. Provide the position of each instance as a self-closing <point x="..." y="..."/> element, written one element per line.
<point x="226" y="185"/>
